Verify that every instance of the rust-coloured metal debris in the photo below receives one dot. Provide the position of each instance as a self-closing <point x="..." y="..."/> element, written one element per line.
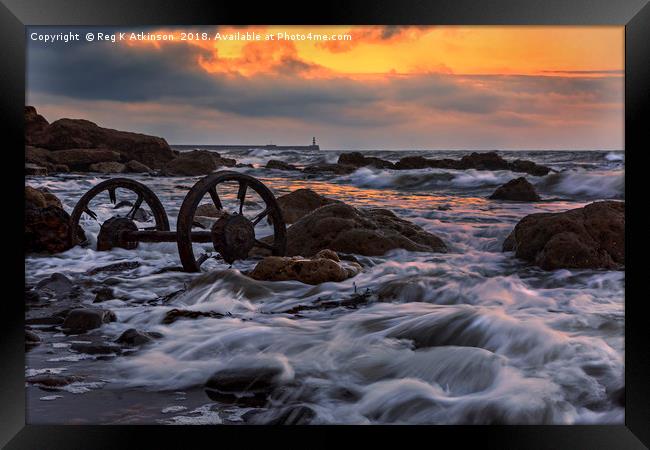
<point x="232" y="235"/>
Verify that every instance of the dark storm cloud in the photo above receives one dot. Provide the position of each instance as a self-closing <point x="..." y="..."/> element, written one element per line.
<point x="114" y="72"/>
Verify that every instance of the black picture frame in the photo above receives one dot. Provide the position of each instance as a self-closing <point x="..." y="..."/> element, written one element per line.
<point x="16" y="14"/>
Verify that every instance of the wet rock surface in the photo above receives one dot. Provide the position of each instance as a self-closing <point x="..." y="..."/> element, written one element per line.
<point x="519" y="190"/>
<point x="371" y="232"/>
<point x="84" y="319"/>
<point x="280" y="165"/>
<point x="116" y="267"/>
<point x="133" y="337"/>
<point x="590" y="237"/>
<point x="301" y="202"/>
<point x="324" y="267"/>
<point x="47" y="224"/>
<point x="107" y="167"/>
<point x="196" y="162"/>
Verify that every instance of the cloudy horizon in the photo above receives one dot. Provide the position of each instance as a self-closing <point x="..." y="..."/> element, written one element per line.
<point x="388" y="88"/>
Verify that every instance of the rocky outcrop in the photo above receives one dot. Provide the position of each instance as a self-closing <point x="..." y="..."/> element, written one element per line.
<point x="66" y="134"/>
<point x="43" y="158"/>
<point x="280" y="165"/>
<point x="477" y="161"/>
<point x="372" y="232"/>
<point x="46" y="223"/>
<point x="107" y="167"/>
<point x="80" y="159"/>
<point x="195" y="163"/>
<point x="324" y="267"/>
<point x="357" y="159"/>
<point x="337" y="169"/>
<point x="134" y="166"/>
<point x="301" y="202"/>
<point x="519" y="190"/>
<point x="134" y="338"/>
<point x="84" y="319"/>
<point x="592" y="237"/>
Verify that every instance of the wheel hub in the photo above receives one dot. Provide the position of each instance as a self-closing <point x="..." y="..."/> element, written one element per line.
<point x="111" y="234"/>
<point x="233" y="237"/>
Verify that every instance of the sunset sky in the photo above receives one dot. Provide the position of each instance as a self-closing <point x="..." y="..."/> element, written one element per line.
<point x="386" y="88"/>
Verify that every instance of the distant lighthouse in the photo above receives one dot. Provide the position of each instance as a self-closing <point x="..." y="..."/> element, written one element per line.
<point x="313" y="140"/>
<point x="313" y="145"/>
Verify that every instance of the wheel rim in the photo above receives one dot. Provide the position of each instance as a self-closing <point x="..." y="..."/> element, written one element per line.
<point x="208" y="186"/>
<point x="144" y="195"/>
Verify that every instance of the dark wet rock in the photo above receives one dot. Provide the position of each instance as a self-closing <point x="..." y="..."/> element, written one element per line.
<point x="209" y="210"/>
<point x="357" y="159"/>
<point x="95" y="348"/>
<point x="66" y="134"/>
<point x="56" y="284"/>
<point x="34" y="169"/>
<point x="175" y="314"/>
<point x="352" y="302"/>
<point x="44" y="320"/>
<point x="35" y="125"/>
<point x="103" y="294"/>
<point x="81" y="159"/>
<point x="292" y="415"/>
<point x="31" y="338"/>
<point x="116" y="267"/>
<point x="592" y="237"/>
<point x="229" y="279"/>
<point x="84" y="319"/>
<point x="324" y="267"/>
<point x="250" y="384"/>
<point x="134" y="166"/>
<point x="134" y="338"/>
<point x="519" y="190"/>
<point x="31" y="295"/>
<point x="250" y="166"/>
<point x="142" y="215"/>
<point x="370" y="232"/>
<point x="476" y="160"/>
<point x="107" y="167"/>
<point x="337" y="169"/>
<point x="301" y="202"/>
<point x="280" y="165"/>
<point x="51" y="380"/>
<point x="196" y="162"/>
<point x="47" y="224"/>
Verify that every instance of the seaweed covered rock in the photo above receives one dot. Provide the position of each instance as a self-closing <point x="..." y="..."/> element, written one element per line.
<point x="592" y="237"/>
<point x="325" y="266"/>
<point x="372" y="232"/>
<point x="519" y="190"/>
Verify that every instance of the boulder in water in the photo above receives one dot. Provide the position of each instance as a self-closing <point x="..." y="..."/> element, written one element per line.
<point x="322" y="268"/>
<point x="134" y="166"/>
<point x="345" y="229"/>
<point x="519" y="190"/>
<point x="357" y="159"/>
<point x="196" y="162"/>
<point x="84" y="319"/>
<point x="107" y="167"/>
<point x="47" y="224"/>
<point x="301" y="202"/>
<point x="133" y="337"/>
<point x="592" y="237"/>
<point x="280" y="165"/>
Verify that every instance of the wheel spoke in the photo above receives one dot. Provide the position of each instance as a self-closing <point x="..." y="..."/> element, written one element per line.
<point x="241" y="195"/>
<point x="215" y="197"/>
<point x="259" y="243"/>
<point x="112" y="196"/>
<point x="135" y="207"/>
<point x="90" y="212"/>
<point x="260" y="216"/>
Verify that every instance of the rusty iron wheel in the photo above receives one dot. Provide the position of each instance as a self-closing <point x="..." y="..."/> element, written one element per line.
<point x="144" y="194"/>
<point x="236" y="246"/>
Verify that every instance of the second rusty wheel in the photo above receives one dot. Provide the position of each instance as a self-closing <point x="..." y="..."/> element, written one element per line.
<point x="233" y="234"/>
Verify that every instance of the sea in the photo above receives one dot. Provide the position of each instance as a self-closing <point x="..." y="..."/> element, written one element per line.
<point x="472" y="336"/>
